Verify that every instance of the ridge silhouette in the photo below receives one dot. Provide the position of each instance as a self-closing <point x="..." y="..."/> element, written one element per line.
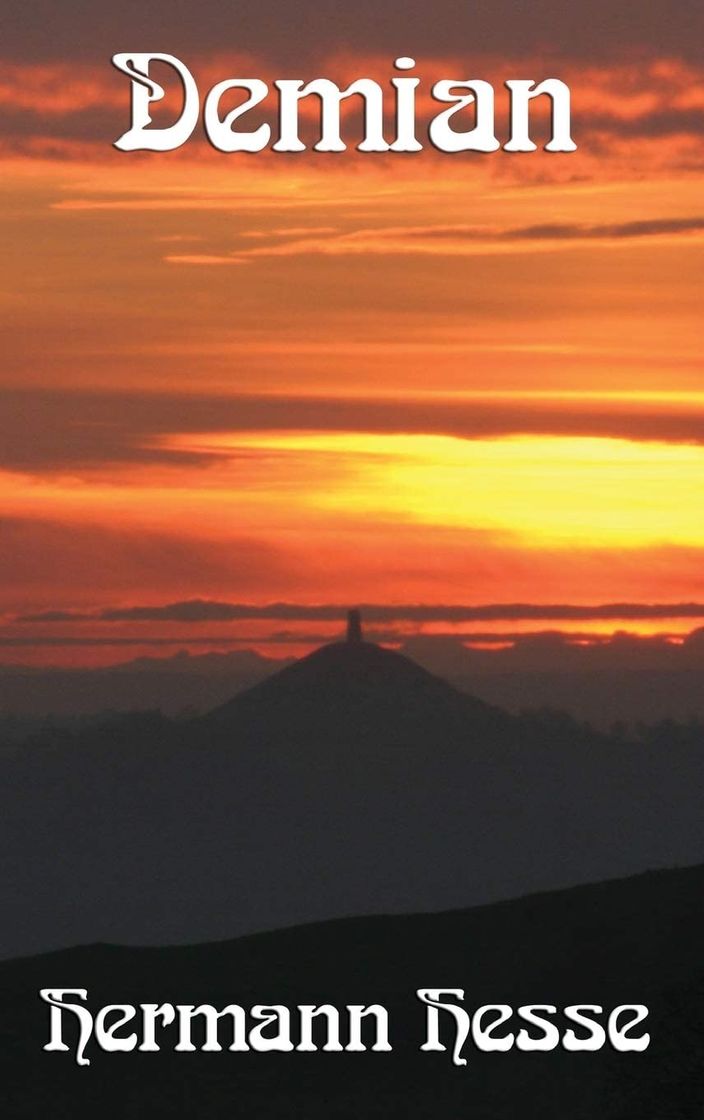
<point x="351" y="782"/>
<point x="632" y="940"/>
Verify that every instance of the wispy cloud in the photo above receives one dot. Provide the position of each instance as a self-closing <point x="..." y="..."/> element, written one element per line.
<point x="287" y="231"/>
<point x="202" y="259"/>
<point x="204" y="610"/>
<point x="459" y="240"/>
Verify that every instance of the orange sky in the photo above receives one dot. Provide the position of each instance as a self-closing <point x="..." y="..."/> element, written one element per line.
<point x="427" y="379"/>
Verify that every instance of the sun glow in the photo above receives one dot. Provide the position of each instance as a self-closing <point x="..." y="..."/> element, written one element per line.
<point x="556" y="491"/>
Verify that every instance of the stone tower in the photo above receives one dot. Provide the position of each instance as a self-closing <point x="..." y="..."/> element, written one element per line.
<point x="354" y="626"/>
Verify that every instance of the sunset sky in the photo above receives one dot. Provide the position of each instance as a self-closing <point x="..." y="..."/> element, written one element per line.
<point x="402" y="379"/>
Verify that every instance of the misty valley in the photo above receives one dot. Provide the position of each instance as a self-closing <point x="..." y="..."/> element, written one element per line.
<point x="356" y="791"/>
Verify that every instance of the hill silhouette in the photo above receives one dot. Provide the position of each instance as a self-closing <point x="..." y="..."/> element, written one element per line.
<point x="361" y="686"/>
<point x="352" y="782"/>
<point x="634" y="940"/>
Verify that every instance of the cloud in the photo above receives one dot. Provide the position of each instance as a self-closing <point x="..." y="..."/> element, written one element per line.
<point x="202" y="259"/>
<point x="459" y="240"/>
<point x="287" y="231"/>
<point x="81" y="641"/>
<point x="205" y="610"/>
<point x="42" y="557"/>
<point x="44" y="431"/>
<point x="57" y="89"/>
<point x="610" y="230"/>
<point x="300" y="32"/>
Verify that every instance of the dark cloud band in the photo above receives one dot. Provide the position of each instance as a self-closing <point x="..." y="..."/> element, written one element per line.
<point x="205" y="610"/>
<point x="299" y="32"/>
<point x="44" y="431"/>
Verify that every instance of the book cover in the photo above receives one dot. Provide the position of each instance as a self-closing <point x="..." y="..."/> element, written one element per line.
<point x="352" y="608"/>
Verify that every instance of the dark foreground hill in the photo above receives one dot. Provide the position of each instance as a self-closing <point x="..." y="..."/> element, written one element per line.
<point x="351" y="782"/>
<point x="630" y="941"/>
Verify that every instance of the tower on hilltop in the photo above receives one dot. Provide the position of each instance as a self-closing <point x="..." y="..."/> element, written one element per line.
<point x="354" y="626"/>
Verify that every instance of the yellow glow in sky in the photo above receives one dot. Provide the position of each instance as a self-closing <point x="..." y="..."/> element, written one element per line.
<point x="556" y="491"/>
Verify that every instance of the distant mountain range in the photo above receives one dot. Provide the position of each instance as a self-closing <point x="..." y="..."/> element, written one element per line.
<point x="351" y="782"/>
<point x="31" y="697"/>
<point x="626" y="678"/>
